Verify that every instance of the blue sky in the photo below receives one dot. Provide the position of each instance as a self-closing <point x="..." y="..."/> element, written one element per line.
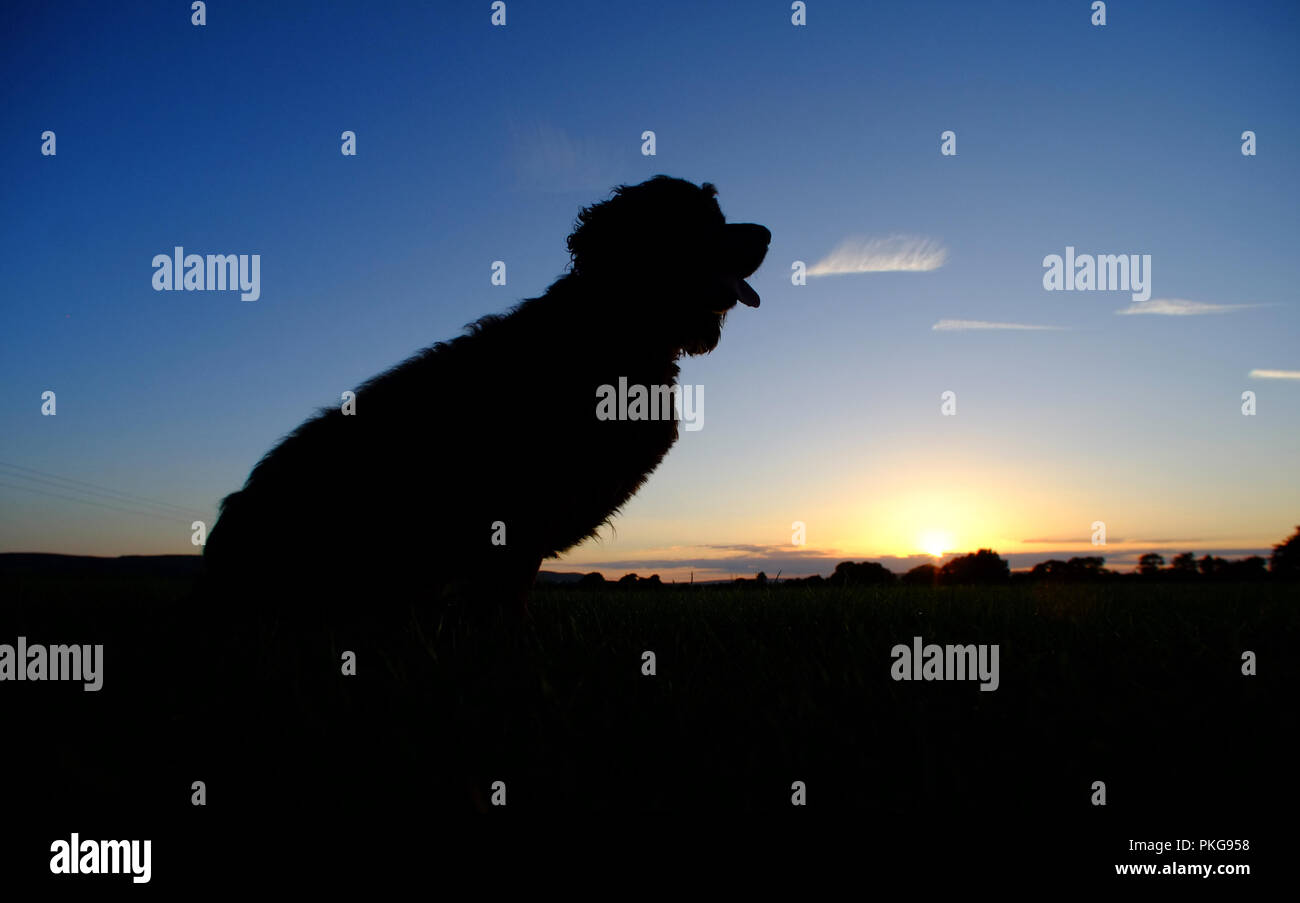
<point x="478" y="143"/>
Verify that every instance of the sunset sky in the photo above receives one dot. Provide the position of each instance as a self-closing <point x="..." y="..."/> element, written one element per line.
<point x="822" y="406"/>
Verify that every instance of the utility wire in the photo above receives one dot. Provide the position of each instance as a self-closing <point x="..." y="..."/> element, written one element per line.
<point x="69" y="498"/>
<point x="101" y="491"/>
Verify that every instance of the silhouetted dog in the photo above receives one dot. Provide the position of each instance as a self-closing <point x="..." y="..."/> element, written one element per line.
<point x="467" y="465"/>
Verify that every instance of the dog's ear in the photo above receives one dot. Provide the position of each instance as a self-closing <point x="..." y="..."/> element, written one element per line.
<point x="593" y="231"/>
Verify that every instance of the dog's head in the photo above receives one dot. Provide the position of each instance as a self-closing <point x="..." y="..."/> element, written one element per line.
<point x="665" y="250"/>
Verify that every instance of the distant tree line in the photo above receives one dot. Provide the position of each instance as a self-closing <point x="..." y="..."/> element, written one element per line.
<point x="986" y="567"/>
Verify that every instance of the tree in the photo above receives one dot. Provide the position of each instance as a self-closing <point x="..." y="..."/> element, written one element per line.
<point x="984" y="566"/>
<point x="1150" y="564"/>
<point x="1285" y="560"/>
<point x="1251" y="568"/>
<point x="1087" y="567"/>
<point x="1077" y="569"/>
<point x="861" y="573"/>
<point x="1051" y="569"/>
<point x="921" y="575"/>
<point x="594" y="580"/>
<point x="1184" y="564"/>
<point x="1216" y="568"/>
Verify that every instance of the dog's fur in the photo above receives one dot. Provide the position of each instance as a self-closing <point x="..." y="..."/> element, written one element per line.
<point x="499" y="424"/>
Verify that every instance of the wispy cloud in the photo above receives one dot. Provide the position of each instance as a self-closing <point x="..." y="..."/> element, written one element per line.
<point x="1275" y="374"/>
<point x="1144" y="540"/>
<point x="547" y="158"/>
<point x="1177" y="307"/>
<point x="769" y="550"/>
<point x="895" y="254"/>
<point x="960" y="325"/>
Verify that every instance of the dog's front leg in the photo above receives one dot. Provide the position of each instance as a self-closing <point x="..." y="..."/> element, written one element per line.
<point x="499" y="588"/>
<point x="520" y="579"/>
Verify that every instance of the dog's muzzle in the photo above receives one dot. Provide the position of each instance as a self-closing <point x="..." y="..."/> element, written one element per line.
<point x="744" y="245"/>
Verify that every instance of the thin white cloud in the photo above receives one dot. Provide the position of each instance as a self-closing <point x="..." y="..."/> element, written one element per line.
<point x="1275" y="374"/>
<point x="547" y="158"/>
<point x="961" y="325"/>
<point x="1177" y="307"/>
<point x="895" y="254"/>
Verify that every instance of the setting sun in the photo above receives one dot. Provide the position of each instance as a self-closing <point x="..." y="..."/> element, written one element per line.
<point x="935" y="543"/>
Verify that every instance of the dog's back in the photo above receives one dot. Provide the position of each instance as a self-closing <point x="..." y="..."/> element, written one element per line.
<point x="474" y="460"/>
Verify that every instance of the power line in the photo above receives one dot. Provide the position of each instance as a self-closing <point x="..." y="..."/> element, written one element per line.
<point x="103" y="491"/>
<point x="74" y="489"/>
<point x="69" y="498"/>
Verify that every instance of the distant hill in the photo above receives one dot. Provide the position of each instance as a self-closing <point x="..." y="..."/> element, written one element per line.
<point x="40" y="563"/>
<point x="90" y="566"/>
<point x="557" y="577"/>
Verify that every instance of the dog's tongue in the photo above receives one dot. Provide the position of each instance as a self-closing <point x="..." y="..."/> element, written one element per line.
<point x="745" y="294"/>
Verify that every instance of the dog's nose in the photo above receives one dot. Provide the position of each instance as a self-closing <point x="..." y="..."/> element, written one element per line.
<point x="744" y="247"/>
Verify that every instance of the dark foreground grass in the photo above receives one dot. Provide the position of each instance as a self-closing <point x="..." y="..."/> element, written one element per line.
<point x="1138" y="686"/>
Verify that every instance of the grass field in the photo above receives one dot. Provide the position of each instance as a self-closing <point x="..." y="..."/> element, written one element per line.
<point x="1139" y="686"/>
